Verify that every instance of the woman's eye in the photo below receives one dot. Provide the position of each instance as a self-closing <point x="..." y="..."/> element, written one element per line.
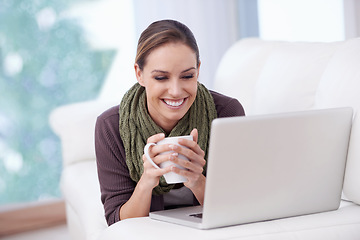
<point x="160" y="78"/>
<point x="188" y="76"/>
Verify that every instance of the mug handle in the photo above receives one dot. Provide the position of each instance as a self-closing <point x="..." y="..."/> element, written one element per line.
<point x="146" y="152"/>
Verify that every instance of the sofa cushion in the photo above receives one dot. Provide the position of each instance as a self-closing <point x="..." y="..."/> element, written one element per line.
<point x="240" y="67"/>
<point x="340" y="86"/>
<point x="290" y="77"/>
<point x="334" y="225"/>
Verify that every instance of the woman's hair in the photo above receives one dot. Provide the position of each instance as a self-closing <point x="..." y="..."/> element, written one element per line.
<point x="163" y="32"/>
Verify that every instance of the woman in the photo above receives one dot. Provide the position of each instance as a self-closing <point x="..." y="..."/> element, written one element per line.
<point x="167" y="101"/>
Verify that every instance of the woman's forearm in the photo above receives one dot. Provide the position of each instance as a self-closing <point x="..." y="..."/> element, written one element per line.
<point x="139" y="203"/>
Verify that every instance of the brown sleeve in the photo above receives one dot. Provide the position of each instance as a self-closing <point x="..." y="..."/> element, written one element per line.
<point x="227" y="106"/>
<point x="115" y="183"/>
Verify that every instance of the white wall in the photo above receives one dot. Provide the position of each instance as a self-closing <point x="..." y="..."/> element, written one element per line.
<point x="302" y="20"/>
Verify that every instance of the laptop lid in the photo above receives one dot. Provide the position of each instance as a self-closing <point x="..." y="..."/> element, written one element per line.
<point x="272" y="166"/>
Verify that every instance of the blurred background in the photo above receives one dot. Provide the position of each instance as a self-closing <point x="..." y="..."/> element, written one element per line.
<point x="54" y="53"/>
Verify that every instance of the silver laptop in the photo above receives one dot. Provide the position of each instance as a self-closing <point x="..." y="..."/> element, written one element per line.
<point x="269" y="167"/>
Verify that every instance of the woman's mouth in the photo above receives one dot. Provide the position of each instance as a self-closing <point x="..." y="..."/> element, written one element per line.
<point x="174" y="103"/>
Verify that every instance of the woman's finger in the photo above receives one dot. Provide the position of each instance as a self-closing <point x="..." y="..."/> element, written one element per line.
<point x="156" y="172"/>
<point x="192" y="144"/>
<point x="188" y="165"/>
<point x="193" y="152"/>
<point x="155" y="138"/>
<point x="195" y="134"/>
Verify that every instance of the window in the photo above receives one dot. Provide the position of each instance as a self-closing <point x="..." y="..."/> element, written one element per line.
<point x="46" y="61"/>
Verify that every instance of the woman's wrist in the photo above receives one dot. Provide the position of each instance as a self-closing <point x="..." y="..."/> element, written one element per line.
<point x="143" y="185"/>
<point x="199" y="189"/>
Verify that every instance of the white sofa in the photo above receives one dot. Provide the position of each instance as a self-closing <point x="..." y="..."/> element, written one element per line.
<point x="266" y="77"/>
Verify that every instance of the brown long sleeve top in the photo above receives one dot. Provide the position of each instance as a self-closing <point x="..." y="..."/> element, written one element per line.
<point x="115" y="183"/>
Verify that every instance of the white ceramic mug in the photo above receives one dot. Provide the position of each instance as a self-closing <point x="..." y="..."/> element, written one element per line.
<point x="170" y="177"/>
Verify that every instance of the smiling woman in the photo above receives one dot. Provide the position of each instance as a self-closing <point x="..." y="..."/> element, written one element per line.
<point x="169" y="101"/>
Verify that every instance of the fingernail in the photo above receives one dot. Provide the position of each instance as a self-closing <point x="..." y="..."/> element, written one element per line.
<point x="175" y="154"/>
<point x="173" y="146"/>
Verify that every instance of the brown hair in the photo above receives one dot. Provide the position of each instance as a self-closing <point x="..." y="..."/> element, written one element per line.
<point x="163" y="32"/>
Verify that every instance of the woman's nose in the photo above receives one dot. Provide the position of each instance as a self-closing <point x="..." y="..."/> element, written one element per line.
<point x="175" y="88"/>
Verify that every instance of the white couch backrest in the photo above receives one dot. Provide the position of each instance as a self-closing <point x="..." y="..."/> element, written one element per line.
<point x="273" y="76"/>
<point x="340" y="86"/>
<point x="244" y="60"/>
<point x="290" y="77"/>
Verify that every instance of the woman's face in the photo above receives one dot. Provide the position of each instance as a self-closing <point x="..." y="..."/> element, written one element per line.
<point x="170" y="79"/>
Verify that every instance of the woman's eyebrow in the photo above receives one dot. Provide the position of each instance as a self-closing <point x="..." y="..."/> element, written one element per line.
<point x="188" y="69"/>
<point x="160" y="71"/>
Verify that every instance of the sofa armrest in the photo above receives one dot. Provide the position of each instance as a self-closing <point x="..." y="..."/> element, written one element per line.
<point x="81" y="190"/>
<point x="75" y="125"/>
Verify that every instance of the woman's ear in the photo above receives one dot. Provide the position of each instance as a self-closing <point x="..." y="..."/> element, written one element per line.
<point x="198" y="69"/>
<point x="138" y="74"/>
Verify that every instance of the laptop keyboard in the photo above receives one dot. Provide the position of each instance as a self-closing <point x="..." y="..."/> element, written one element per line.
<point x="197" y="215"/>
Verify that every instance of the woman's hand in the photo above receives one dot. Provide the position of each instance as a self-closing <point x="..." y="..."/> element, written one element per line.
<point x="194" y="167"/>
<point x="140" y="201"/>
<point x="151" y="175"/>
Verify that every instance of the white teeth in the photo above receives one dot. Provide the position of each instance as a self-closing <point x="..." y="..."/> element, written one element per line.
<point x="174" y="103"/>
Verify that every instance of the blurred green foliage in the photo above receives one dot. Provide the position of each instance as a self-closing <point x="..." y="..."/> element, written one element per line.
<point x="45" y="62"/>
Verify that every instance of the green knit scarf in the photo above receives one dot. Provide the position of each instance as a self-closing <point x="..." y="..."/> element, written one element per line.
<point x="136" y="126"/>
